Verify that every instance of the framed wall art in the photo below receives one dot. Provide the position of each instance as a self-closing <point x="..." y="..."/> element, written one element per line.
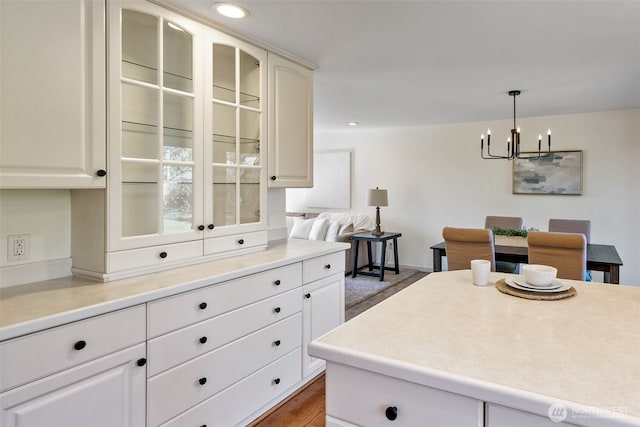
<point x="559" y="173"/>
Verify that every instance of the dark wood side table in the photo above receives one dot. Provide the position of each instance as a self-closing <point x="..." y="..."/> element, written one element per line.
<point x="369" y="238"/>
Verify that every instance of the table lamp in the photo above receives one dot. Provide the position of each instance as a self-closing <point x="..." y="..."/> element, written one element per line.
<point x="377" y="198"/>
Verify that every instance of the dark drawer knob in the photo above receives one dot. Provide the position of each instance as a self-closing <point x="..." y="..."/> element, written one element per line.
<point x="277" y="309"/>
<point x="211" y="226"/>
<point x="277" y="283"/>
<point x="142" y="362"/>
<point x="203" y="340"/>
<point x="80" y="345"/>
<point x="276" y="381"/>
<point x="201" y="227"/>
<point x="276" y="343"/>
<point x="202" y="305"/>
<point x="101" y="172"/>
<point x="391" y="413"/>
<point x="307" y="296"/>
<point x="163" y="255"/>
<point x="328" y="266"/>
<point x="241" y="242"/>
<point x="202" y="381"/>
<point x="273" y="178"/>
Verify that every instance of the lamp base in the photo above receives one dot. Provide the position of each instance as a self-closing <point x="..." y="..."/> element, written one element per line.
<point x="377" y="233"/>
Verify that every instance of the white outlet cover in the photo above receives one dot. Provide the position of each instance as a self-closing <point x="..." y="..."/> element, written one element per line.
<point x="18" y="240"/>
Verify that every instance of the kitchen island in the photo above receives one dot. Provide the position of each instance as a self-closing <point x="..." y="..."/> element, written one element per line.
<point x="446" y="353"/>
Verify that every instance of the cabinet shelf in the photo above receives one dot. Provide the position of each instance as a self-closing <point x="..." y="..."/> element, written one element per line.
<point x="245" y="98"/>
<point x="150" y="129"/>
<point x="230" y="139"/>
<point x="139" y="72"/>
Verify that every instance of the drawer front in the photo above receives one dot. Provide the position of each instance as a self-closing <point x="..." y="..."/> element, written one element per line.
<point x="322" y="266"/>
<point x="177" y="389"/>
<point x="154" y="256"/>
<point x="235" y="404"/>
<point x="236" y="242"/>
<point x="415" y="404"/>
<point x="185" y="344"/>
<point x="500" y="416"/>
<point x="196" y="306"/>
<point x="37" y="355"/>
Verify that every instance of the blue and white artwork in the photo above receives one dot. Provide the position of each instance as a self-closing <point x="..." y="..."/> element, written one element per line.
<point x="559" y="173"/>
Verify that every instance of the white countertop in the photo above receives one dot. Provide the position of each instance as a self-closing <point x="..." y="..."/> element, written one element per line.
<point x="31" y="307"/>
<point x="446" y="333"/>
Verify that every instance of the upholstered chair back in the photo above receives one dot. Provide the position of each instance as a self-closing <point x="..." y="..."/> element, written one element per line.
<point x="565" y="251"/>
<point x="510" y="222"/>
<point x="571" y="226"/>
<point x="464" y="244"/>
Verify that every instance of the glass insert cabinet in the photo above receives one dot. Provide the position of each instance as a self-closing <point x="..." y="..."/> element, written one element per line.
<point x="185" y="130"/>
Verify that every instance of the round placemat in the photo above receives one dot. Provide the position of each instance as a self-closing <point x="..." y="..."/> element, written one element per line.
<point x="506" y="289"/>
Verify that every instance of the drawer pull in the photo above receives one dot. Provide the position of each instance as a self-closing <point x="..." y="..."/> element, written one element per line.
<point x="202" y="305"/>
<point x="391" y="413"/>
<point x="327" y="267"/>
<point x="203" y="340"/>
<point x="241" y="242"/>
<point x="142" y="361"/>
<point x="163" y="255"/>
<point x="210" y="226"/>
<point x="276" y="381"/>
<point x="202" y="380"/>
<point x="273" y="178"/>
<point x="277" y="309"/>
<point x="277" y="282"/>
<point x="307" y="296"/>
<point x="80" y="345"/>
<point x="276" y="343"/>
<point x="201" y="227"/>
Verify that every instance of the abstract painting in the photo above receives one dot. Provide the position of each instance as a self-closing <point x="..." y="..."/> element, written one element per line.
<point x="559" y="173"/>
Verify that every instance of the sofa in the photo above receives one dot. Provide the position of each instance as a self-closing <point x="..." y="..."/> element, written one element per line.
<point x="332" y="227"/>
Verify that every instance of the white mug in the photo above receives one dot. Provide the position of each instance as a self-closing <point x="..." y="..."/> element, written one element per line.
<point x="480" y="269"/>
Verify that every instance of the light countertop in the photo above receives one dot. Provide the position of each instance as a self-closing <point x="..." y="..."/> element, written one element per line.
<point x="35" y="306"/>
<point x="446" y="333"/>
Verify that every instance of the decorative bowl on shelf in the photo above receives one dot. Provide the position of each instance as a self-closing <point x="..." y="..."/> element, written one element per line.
<point x="539" y="275"/>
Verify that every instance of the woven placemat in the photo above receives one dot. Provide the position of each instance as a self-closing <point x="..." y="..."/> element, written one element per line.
<point x="504" y="288"/>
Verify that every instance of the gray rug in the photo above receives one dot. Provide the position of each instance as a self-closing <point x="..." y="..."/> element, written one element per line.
<point x="360" y="288"/>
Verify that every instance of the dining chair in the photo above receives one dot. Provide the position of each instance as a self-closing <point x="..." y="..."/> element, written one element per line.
<point x="565" y="251"/>
<point x="511" y="223"/>
<point x="573" y="226"/>
<point x="464" y="244"/>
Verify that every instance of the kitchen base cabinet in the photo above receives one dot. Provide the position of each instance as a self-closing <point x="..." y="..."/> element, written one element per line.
<point x="106" y="392"/>
<point x="500" y="416"/>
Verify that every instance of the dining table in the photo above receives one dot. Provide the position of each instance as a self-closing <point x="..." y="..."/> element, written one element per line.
<point x="514" y="249"/>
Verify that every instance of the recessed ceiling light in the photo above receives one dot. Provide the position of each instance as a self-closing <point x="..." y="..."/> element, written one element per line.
<point x="353" y="123"/>
<point x="230" y="10"/>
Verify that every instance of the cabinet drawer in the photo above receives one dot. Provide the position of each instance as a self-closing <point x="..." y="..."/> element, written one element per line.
<point x="416" y="404"/>
<point x="177" y="347"/>
<point x="37" y="355"/>
<point x="500" y="416"/>
<point x="236" y="242"/>
<point x="322" y="266"/>
<point x="180" y="388"/>
<point x="153" y="256"/>
<point x="232" y="405"/>
<point x="196" y="306"/>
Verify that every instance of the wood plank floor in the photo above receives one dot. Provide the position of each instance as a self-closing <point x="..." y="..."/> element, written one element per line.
<point x="306" y="408"/>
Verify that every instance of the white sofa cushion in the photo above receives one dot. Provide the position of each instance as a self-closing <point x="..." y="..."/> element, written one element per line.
<point x="319" y="229"/>
<point x="359" y="221"/>
<point x="301" y="228"/>
<point x="332" y="231"/>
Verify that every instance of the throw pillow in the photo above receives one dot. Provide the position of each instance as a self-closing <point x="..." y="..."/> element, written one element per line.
<point x="301" y="228"/>
<point x="332" y="231"/>
<point x="345" y="229"/>
<point x="319" y="229"/>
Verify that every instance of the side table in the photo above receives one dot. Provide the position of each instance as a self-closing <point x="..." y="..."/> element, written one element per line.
<point x="369" y="238"/>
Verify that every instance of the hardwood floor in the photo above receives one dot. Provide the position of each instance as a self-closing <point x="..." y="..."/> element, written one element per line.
<point x="306" y="407"/>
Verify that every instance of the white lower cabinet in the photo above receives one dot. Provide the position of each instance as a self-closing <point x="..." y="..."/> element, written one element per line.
<point x="500" y="416"/>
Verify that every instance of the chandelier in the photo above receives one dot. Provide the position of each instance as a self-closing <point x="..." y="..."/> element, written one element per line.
<point x="513" y="142"/>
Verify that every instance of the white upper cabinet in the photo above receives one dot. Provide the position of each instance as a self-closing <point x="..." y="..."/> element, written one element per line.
<point x="290" y="124"/>
<point x="52" y="115"/>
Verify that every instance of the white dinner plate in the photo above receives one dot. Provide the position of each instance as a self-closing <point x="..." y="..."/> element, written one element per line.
<point x="522" y="282"/>
<point x="513" y="284"/>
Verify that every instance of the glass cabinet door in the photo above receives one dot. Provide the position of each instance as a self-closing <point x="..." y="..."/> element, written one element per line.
<point x="235" y="199"/>
<point x="154" y="124"/>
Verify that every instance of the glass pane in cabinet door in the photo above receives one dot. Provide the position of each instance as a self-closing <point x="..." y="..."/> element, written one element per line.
<point x="249" y="80"/>
<point x="224" y="72"/>
<point x="224" y="196"/>
<point x="139" y="46"/>
<point x="178" y="59"/>
<point x="139" y="122"/>
<point x="249" y="138"/>
<point x="139" y="199"/>
<point x="249" y="195"/>
<point x="178" y="127"/>
<point x="224" y="134"/>
<point x="177" y="196"/>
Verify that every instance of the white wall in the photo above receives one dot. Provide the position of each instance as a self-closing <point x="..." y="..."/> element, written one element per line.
<point x="435" y="177"/>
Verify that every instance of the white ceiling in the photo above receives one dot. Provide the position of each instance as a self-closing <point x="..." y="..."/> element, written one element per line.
<point x="387" y="63"/>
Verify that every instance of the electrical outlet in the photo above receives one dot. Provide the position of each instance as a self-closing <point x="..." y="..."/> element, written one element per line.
<point x="18" y="247"/>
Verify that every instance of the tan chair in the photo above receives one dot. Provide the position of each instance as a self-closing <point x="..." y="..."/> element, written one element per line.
<point x="565" y="251"/>
<point x="464" y="244"/>
<point x="571" y="226"/>
<point x="509" y="222"/>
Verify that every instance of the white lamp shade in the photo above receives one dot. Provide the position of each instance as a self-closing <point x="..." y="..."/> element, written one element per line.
<point x="377" y="197"/>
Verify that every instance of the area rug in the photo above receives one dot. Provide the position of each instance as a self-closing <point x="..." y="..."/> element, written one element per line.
<point x="360" y="288"/>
